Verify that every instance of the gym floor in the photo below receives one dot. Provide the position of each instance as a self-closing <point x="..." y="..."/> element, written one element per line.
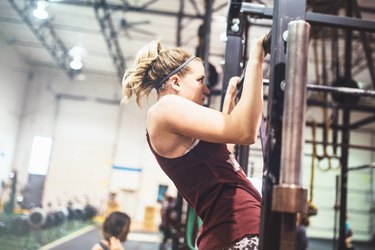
<point x="136" y="241"/>
<point x="150" y="241"/>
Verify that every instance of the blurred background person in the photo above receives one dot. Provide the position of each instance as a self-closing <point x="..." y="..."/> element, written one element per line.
<point x="301" y="236"/>
<point x="168" y="224"/>
<point x="115" y="231"/>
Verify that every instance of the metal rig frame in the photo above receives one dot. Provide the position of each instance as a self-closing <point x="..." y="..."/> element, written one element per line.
<point x="277" y="227"/>
<point x="272" y="223"/>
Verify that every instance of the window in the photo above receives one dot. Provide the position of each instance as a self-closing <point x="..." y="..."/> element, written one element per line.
<point x="40" y="155"/>
<point x="162" y="190"/>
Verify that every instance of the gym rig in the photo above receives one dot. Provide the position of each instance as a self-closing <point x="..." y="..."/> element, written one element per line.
<point x="283" y="195"/>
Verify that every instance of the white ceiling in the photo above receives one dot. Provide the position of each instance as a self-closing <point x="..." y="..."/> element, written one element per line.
<point x="75" y="24"/>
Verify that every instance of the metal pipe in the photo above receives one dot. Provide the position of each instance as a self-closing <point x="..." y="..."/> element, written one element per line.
<point x="345" y="138"/>
<point x="179" y="22"/>
<point x="362" y="122"/>
<point x="207" y="34"/>
<point x="341" y="90"/>
<point x="352" y="146"/>
<point x="288" y="196"/>
<point x="336" y="90"/>
<point x="294" y="103"/>
<point x="342" y="22"/>
<point x="367" y="166"/>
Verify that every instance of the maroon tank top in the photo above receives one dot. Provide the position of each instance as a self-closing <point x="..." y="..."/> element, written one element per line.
<point x="215" y="186"/>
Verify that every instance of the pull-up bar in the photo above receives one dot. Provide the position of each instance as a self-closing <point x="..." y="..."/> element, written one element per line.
<point x="314" y="18"/>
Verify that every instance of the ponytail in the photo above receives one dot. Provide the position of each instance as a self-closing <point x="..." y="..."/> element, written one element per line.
<point x="151" y="65"/>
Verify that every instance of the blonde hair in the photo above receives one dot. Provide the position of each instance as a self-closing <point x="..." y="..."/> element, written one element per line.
<point x="151" y="65"/>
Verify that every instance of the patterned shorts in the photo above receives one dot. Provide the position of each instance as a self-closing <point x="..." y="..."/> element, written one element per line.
<point x="248" y="242"/>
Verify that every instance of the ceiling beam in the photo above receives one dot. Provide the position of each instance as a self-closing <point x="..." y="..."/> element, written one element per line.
<point x="46" y="35"/>
<point x="126" y="7"/>
<point x="103" y="15"/>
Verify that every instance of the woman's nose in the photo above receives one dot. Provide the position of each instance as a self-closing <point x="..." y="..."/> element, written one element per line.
<point x="206" y="90"/>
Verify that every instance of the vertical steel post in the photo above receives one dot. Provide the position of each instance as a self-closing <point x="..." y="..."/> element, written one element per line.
<point x="288" y="196"/>
<point x="294" y="103"/>
<point x="233" y="58"/>
<point x="345" y="137"/>
<point x="345" y="140"/>
<point x="207" y="35"/>
<point x="180" y="16"/>
<point x="284" y="11"/>
<point x="234" y="44"/>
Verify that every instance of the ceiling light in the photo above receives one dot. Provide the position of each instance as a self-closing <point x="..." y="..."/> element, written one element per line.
<point x="77" y="53"/>
<point x="76" y="63"/>
<point x="40" y="11"/>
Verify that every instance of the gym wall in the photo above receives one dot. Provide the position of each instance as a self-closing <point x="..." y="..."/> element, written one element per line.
<point x="91" y="133"/>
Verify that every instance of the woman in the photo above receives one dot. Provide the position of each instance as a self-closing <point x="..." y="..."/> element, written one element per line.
<point x="115" y="231"/>
<point x="189" y="140"/>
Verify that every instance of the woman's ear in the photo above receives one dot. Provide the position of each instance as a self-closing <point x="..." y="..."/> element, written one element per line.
<point x="175" y="83"/>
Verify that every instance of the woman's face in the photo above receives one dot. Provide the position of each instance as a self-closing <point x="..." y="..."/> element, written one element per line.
<point x="192" y="84"/>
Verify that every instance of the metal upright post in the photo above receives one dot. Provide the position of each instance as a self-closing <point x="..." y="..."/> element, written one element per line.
<point x="289" y="197"/>
<point x="179" y="23"/>
<point x="234" y="44"/>
<point x="207" y="29"/>
<point x="345" y="140"/>
<point x="284" y="11"/>
<point x="345" y="135"/>
<point x="233" y="58"/>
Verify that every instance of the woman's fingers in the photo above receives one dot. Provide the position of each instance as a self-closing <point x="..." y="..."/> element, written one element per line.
<point x="232" y="85"/>
<point x="115" y="244"/>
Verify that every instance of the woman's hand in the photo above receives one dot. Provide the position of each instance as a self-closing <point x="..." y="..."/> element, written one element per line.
<point x="257" y="52"/>
<point x="115" y="244"/>
<point x="230" y="95"/>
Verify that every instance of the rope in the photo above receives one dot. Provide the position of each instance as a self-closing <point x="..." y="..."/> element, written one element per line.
<point x="313" y="134"/>
<point x="312" y="210"/>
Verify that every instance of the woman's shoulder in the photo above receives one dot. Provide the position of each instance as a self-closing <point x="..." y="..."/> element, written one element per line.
<point x="164" y="104"/>
<point x="171" y="99"/>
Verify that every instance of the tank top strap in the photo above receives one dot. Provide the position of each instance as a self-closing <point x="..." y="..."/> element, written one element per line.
<point x="103" y="246"/>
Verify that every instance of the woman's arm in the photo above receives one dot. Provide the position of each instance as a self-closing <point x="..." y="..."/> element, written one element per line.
<point x="248" y="110"/>
<point x="230" y="95"/>
<point x="176" y="114"/>
<point x="230" y="102"/>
